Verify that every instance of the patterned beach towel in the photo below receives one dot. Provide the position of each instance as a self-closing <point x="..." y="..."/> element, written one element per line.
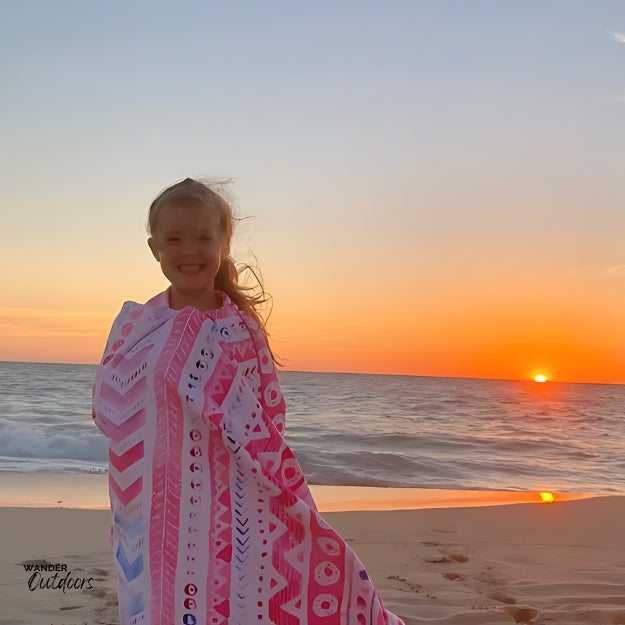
<point x="213" y="522"/>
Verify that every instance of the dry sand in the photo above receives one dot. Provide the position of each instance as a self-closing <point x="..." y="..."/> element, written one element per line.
<point x="558" y="563"/>
<point x="561" y="563"/>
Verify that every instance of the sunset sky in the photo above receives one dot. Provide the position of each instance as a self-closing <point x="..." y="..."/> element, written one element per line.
<point x="436" y="187"/>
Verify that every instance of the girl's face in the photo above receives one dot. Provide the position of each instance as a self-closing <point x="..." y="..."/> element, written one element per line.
<point x="188" y="244"/>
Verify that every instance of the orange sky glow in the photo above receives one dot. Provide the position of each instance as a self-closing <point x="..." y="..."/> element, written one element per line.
<point x="499" y="340"/>
<point x="435" y="191"/>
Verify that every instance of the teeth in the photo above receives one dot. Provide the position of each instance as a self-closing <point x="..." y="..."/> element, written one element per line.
<point x="190" y="268"/>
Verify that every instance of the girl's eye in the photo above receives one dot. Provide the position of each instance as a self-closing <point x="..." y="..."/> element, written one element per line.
<point x="172" y="239"/>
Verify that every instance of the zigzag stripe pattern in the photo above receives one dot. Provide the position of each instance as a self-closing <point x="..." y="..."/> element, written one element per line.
<point x="220" y="532"/>
<point x="241" y="543"/>
<point x="126" y="495"/>
<point x="135" y="605"/>
<point x="117" y="400"/>
<point x="121" y="432"/>
<point x="132" y="569"/>
<point x="213" y="521"/>
<point x="131" y="366"/>
<point x="127" y="459"/>
<point x="121" y="404"/>
<point x="131" y="529"/>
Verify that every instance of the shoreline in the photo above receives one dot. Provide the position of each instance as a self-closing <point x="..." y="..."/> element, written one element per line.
<point x="83" y="491"/>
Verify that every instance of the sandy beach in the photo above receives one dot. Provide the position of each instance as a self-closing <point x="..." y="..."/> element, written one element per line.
<point x="478" y="562"/>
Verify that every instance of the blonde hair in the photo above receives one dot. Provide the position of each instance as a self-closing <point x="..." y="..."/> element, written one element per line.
<point x="247" y="298"/>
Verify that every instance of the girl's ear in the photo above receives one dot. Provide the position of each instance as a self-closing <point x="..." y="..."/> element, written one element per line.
<point x="153" y="249"/>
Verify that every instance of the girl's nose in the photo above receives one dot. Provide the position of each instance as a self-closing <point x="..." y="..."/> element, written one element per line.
<point x="189" y="248"/>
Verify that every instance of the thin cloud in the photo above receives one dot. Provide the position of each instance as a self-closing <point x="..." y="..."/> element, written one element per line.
<point x="617" y="271"/>
<point x="618" y="36"/>
<point x="33" y="322"/>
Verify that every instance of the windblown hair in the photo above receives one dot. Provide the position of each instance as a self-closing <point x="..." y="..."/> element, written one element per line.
<point x="247" y="298"/>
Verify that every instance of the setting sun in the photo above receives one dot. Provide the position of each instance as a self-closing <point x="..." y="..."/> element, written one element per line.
<point x="540" y="378"/>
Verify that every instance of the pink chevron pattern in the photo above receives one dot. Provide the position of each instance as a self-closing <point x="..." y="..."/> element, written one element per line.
<point x="127" y="459"/>
<point x="126" y="495"/>
<point x="120" y="432"/>
<point x="213" y="521"/>
<point x="116" y="399"/>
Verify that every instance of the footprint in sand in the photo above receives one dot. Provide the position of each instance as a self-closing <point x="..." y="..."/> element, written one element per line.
<point x="453" y="577"/>
<point x="451" y="558"/>
<point x="522" y="614"/>
<point x="107" y="613"/>
<point x="458" y="557"/>
<point x="99" y="575"/>
<point x="413" y="587"/>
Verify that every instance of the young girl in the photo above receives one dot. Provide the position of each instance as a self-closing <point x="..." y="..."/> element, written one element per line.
<point x="212" y="520"/>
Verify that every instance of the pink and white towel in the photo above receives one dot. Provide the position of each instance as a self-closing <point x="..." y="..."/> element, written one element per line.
<point x="212" y="520"/>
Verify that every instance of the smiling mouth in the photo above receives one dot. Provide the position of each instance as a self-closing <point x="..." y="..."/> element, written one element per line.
<point x="190" y="269"/>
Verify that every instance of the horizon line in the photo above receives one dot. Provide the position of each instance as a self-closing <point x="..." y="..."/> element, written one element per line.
<point x="406" y="375"/>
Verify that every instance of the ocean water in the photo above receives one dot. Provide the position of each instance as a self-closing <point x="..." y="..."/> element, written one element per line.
<point x="367" y="430"/>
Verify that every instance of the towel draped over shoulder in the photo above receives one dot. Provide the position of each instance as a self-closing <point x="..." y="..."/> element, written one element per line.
<point x="213" y="522"/>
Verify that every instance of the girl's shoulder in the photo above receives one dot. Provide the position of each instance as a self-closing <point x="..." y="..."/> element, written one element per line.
<point x="161" y="299"/>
